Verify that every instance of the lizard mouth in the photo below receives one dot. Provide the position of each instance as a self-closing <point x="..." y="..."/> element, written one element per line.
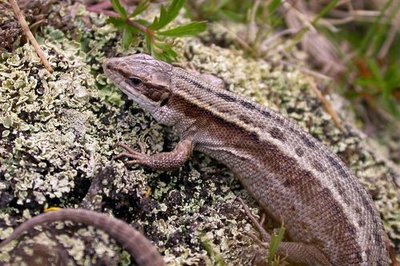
<point x="111" y="69"/>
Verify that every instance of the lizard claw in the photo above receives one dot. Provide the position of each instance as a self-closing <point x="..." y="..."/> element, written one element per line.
<point x="132" y="162"/>
<point x="126" y="148"/>
<point x="137" y="157"/>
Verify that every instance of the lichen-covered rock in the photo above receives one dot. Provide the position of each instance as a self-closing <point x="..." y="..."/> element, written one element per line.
<point x="59" y="135"/>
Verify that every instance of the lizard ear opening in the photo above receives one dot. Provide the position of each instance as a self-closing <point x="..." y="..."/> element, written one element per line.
<point x="164" y="102"/>
<point x="164" y="99"/>
<point x="159" y="96"/>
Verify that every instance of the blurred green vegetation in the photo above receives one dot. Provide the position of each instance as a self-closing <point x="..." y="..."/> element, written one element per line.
<point x="276" y="239"/>
<point x="378" y="76"/>
<point x="155" y="34"/>
<point x="371" y="76"/>
<point x="371" y="59"/>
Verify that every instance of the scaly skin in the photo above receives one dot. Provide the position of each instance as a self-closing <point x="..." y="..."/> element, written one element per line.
<point x="328" y="215"/>
<point x="144" y="253"/>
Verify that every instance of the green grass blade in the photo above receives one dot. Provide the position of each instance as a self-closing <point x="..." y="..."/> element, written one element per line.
<point x="325" y="11"/>
<point x="276" y="240"/>
<point x="142" y="6"/>
<point x="119" y="9"/>
<point x="167" y="15"/>
<point x="190" y="29"/>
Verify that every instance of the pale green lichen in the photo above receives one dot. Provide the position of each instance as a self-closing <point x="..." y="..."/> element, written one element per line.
<point x="60" y="131"/>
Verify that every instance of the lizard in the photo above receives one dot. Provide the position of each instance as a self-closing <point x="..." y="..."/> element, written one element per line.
<point x="141" y="249"/>
<point x="328" y="215"/>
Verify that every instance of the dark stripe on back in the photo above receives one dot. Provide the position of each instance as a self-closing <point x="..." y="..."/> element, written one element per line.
<point x="335" y="163"/>
<point x="276" y="133"/>
<point x="266" y="114"/>
<point x="226" y="97"/>
<point x="318" y="166"/>
<point x="248" y="105"/>
<point x="195" y="83"/>
<point x="307" y="141"/>
<point x="299" y="151"/>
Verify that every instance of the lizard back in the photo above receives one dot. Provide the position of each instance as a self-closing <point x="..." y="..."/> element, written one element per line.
<point x="294" y="177"/>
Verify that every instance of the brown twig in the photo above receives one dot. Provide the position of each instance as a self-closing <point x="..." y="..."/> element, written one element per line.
<point x="264" y="234"/>
<point x="29" y="35"/>
<point x="327" y="106"/>
<point x="133" y="23"/>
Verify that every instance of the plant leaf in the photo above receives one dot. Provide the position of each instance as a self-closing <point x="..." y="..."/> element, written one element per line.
<point x="212" y="251"/>
<point x="142" y="6"/>
<point x="273" y="6"/>
<point x="127" y="37"/>
<point x="149" y="45"/>
<point x="376" y="73"/>
<point x="276" y="240"/>
<point x="118" y="22"/>
<point x="119" y="9"/>
<point x="392" y="106"/>
<point x="185" y="30"/>
<point x="142" y="22"/>
<point x="164" y="51"/>
<point x="167" y="15"/>
<point x="373" y="30"/>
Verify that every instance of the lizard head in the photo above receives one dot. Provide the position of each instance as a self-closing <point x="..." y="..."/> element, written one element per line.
<point x="141" y="77"/>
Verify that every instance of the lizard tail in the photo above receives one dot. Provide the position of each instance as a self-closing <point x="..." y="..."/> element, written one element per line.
<point x="144" y="253"/>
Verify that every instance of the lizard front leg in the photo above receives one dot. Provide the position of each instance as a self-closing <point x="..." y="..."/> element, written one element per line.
<point x="163" y="160"/>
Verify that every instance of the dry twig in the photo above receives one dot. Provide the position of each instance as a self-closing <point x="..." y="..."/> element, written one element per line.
<point x="29" y="35"/>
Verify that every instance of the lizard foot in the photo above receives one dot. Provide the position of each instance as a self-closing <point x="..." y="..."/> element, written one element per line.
<point x="135" y="156"/>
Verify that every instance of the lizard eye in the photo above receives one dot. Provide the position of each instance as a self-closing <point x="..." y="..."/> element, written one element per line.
<point x="135" y="81"/>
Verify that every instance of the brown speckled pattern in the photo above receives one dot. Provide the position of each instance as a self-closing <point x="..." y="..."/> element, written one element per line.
<point x="328" y="215"/>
